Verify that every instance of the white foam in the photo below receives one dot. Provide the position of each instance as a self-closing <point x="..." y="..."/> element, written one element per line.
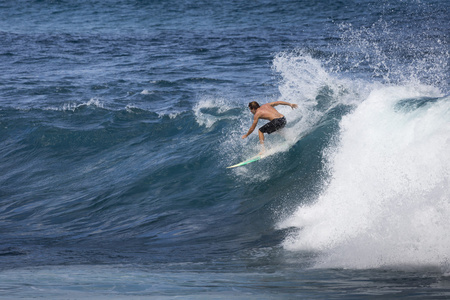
<point x="171" y="115"/>
<point x="387" y="198"/>
<point x="146" y="92"/>
<point x="206" y="119"/>
<point x="74" y="106"/>
<point x="95" y="102"/>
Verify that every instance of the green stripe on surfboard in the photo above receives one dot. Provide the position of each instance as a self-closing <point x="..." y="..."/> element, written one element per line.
<point x="245" y="162"/>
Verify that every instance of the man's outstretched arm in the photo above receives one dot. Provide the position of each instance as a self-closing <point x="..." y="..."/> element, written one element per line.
<point x="283" y="103"/>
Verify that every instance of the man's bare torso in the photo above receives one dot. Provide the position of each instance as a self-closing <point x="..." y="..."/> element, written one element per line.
<point x="267" y="112"/>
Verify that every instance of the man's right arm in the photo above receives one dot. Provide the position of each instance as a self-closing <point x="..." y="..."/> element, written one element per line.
<point x="252" y="128"/>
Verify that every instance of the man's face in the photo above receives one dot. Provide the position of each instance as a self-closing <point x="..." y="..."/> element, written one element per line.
<point x="253" y="110"/>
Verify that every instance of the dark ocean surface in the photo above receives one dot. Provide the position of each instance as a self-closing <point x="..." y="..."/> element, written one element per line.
<point x="118" y="120"/>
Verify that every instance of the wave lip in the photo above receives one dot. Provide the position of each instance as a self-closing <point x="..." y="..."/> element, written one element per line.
<point x="387" y="199"/>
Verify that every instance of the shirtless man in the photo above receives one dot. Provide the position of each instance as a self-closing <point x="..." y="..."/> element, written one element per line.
<point x="267" y="112"/>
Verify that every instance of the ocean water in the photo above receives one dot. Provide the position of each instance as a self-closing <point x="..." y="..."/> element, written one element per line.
<point x="118" y="120"/>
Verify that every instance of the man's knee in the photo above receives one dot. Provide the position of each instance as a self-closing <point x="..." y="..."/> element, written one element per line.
<point x="261" y="135"/>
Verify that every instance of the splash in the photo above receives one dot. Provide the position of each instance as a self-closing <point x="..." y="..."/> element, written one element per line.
<point x="392" y="54"/>
<point x="305" y="81"/>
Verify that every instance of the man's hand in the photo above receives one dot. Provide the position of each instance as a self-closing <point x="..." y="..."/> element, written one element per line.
<point x="294" y="106"/>
<point x="244" y="136"/>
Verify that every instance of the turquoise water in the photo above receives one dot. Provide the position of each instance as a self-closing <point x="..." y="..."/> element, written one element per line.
<point x="118" y="120"/>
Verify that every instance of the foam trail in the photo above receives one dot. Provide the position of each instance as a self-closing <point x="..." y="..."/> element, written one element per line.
<point x="387" y="199"/>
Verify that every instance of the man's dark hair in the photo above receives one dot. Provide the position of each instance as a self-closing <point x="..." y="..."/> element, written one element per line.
<point x="253" y="105"/>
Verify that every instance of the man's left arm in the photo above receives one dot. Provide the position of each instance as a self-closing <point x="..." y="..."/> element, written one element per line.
<point x="283" y="103"/>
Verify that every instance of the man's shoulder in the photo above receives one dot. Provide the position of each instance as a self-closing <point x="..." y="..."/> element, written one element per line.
<point x="263" y="113"/>
<point x="265" y="107"/>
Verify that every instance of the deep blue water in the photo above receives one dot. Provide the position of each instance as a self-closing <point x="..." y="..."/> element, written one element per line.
<point x="118" y="120"/>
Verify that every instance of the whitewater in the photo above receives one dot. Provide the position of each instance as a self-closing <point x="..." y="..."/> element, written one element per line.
<point x="385" y="196"/>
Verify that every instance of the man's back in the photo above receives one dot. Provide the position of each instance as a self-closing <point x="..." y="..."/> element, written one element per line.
<point x="267" y="112"/>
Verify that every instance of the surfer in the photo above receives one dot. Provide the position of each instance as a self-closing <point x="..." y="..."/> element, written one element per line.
<point x="267" y="112"/>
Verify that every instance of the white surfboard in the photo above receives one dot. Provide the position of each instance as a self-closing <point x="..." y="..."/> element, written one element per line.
<point x="246" y="162"/>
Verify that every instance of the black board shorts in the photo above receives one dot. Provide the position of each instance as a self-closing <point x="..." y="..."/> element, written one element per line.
<point x="274" y="125"/>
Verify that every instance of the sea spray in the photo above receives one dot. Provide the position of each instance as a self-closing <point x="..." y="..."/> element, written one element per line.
<point x="392" y="56"/>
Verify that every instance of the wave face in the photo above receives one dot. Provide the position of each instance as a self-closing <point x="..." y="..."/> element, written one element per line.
<point x="118" y="120"/>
